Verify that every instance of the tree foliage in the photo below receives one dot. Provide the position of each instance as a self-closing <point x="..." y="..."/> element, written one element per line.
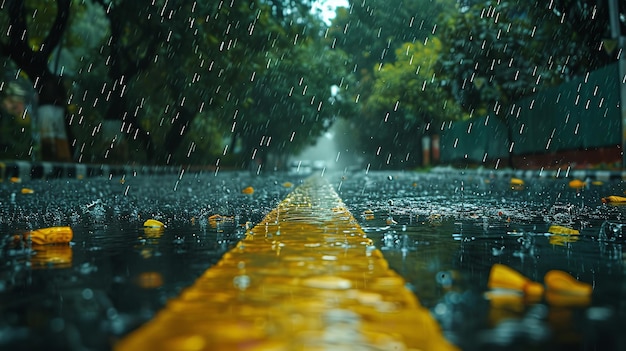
<point x="163" y="69"/>
<point x="580" y="30"/>
<point x="494" y="57"/>
<point x="205" y="57"/>
<point x="396" y="101"/>
<point x="411" y="83"/>
<point x="291" y="103"/>
<point x="500" y="51"/>
<point x="408" y="102"/>
<point x="190" y="81"/>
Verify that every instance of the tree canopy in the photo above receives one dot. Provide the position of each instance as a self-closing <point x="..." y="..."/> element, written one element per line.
<point x="179" y="82"/>
<point x="162" y="68"/>
<point x="500" y="51"/>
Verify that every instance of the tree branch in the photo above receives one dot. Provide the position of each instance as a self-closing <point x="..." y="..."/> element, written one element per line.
<point x="17" y="48"/>
<point x="58" y="27"/>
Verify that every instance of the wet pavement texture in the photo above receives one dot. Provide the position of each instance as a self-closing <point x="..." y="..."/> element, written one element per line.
<point x="442" y="233"/>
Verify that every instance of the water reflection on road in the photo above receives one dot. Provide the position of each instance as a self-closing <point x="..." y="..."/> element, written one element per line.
<point x="442" y="233"/>
<point x="115" y="274"/>
<point x="448" y="231"/>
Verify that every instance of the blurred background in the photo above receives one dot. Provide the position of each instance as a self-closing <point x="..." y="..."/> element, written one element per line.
<point x="282" y="84"/>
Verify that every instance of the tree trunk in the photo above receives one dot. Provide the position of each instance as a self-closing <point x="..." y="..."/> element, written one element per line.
<point x="124" y="65"/>
<point x="57" y="138"/>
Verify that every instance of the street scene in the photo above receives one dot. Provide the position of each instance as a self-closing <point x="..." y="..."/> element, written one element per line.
<point x="312" y="175"/>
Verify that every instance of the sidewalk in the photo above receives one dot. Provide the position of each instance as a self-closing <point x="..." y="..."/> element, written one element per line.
<point x="602" y="175"/>
<point x="24" y="170"/>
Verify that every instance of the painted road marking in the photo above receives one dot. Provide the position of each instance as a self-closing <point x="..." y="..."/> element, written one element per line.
<point x="305" y="278"/>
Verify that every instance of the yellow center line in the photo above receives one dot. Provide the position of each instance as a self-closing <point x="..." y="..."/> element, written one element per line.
<point x="305" y="278"/>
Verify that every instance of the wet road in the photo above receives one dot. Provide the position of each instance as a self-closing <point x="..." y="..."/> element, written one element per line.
<point x="441" y="232"/>
<point x="115" y="275"/>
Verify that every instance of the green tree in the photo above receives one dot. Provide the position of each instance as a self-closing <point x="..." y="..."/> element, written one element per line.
<point x="292" y="103"/>
<point x="501" y="51"/>
<point x="137" y="33"/>
<point x="234" y="50"/>
<point x="495" y="56"/>
<point x="579" y="30"/>
<point x="199" y="57"/>
<point x="176" y="73"/>
<point x="370" y="32"/>
<point x="409" y="102"/>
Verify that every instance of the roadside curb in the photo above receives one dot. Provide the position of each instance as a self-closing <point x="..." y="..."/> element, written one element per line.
<point x="602" y="175"/>
<point x="24" y="170"/>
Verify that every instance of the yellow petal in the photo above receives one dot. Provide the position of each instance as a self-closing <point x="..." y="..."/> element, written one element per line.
<point x="614" y="199"/>
<point x="52" y="235"/>
<point x="577" y="184"/>
<point x="390" y="221"/>
<point x="517" y="184"/>
<point x="369" y="215"/>
<point x="563" y="283"/>
<point x="504" y="277"/>
<point x="153" y="223"/>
